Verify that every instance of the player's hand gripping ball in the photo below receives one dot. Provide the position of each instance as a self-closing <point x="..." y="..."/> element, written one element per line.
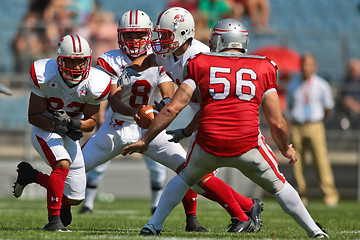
<point x="146" y="115"/>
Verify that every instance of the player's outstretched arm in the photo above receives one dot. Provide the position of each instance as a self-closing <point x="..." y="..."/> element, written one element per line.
<point x="278" y="126"/>
<point x="144" y="62"/>
<point x="181" y="98"/>
<point x="138" y="65"/>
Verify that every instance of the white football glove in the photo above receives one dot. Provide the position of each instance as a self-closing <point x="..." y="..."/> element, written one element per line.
<point x="177" y="135"/>
<point x="125" y="77"/>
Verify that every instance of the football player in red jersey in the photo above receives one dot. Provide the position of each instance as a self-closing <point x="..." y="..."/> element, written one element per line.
<point x="64" y="102"/>
<point x="231" y="86"/>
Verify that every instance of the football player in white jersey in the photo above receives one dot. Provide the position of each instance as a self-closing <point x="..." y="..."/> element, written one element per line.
<point x="175" y="44"/>
<point x="134" y="38"/>
<point x="132" y="25"/>
<point x="64" y="102"/>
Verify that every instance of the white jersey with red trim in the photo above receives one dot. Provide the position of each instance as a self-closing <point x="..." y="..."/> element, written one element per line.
<point x="175" y="68"/>
<point x="232" y="86"/>
<point x="142" y="91"/>
<point x="46" y="82"/>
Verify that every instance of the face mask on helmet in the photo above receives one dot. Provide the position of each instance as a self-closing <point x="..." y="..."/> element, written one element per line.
<point x="174" y="27"/>
<point x="228" y="33"/>
<point x="74" y="58"/>
<point x="135" y="33"/>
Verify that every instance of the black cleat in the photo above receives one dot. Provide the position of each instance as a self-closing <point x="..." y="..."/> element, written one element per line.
<point x="255" y="213"/>
<point x="65" y="216"/>
<point x="238" y="226"/>
<point x="319" y="234"/>
<point x="149" y="230"/>
<point x="193" y="225"/>
<point x="55" y="224"/>
<point x="26" y="175"/>
<point x="86" y="210"/>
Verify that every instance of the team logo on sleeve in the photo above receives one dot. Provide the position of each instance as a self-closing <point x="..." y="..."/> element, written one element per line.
<point x="83" y="92"/>
<point x="53" y="84"/>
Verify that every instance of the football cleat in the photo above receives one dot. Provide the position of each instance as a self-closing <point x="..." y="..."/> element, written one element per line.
<point x="26" y="175"/>
<point x="255" y="213"/>
<point x="86" y="210"/>
<point x="193" y="225"/>
<point x="238" y="226"/>
<point x="149" y="230"/>
<point x="65" y="216"/>
<point x="319" y="233"/>
<point x="55" y="224"/>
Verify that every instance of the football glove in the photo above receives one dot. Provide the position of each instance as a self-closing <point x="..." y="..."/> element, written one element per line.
<point x="74" y="124"/>
<point x="74" y="135"/>
<point x="177" y="135"/>
<point x="125" y="76"/>
<point x="60" y="118"/>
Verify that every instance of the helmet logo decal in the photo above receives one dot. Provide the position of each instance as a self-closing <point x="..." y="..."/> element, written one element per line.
<point x="178" y="18"/>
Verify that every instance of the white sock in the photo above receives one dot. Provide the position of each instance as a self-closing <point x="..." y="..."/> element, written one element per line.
<point x="173" y="194"/>
<point x="90" y="194"/>
<point x="290" y="202"/>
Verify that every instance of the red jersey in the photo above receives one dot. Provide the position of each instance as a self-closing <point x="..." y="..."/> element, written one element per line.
<point x="231" y="86"/>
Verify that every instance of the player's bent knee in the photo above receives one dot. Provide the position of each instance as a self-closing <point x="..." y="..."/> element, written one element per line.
<point x="74" y="202"/>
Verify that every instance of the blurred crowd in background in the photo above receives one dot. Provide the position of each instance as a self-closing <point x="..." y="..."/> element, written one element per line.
<point x="47" y="20"/>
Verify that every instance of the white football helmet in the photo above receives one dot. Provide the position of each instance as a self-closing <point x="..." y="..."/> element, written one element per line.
<point x="228" y="33"/>
<point x="174" y="26"/>
<point x="135" y="21"/>
<point x="74" y="47"/>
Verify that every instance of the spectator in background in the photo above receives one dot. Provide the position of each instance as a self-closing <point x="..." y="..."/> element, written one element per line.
<point x="258" y="12"/>
<point x="102" y="30"/>
<point x="190" y="5"/>
<point x="214" y="10"/>
<point x="27" y="44"/>
<point x="48" y="20"/>
<point x="351" y="92"/>
<point x="310" y="101"/>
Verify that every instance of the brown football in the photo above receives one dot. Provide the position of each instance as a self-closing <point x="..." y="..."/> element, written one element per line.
<point x="147" y="114"/>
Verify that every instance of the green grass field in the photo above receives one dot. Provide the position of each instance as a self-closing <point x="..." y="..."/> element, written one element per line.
<point x="123" y="219"/>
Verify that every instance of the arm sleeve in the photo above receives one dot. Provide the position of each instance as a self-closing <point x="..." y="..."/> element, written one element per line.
<point x="34" y="83"/>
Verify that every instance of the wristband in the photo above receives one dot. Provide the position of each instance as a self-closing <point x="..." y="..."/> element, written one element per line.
<point x="164" y="101"/>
